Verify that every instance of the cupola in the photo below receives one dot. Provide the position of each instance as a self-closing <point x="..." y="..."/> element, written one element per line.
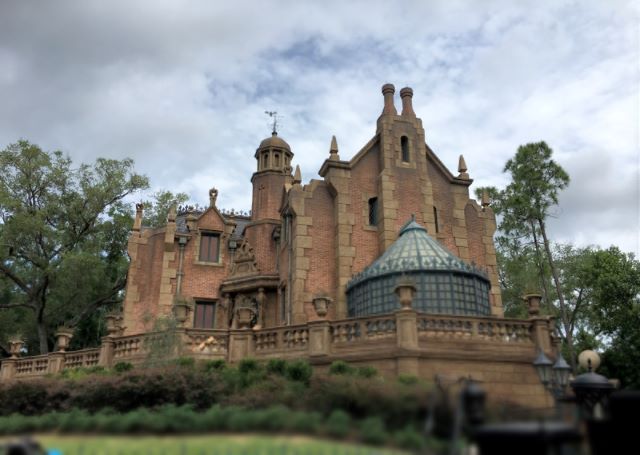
<point x="274" y="154"/>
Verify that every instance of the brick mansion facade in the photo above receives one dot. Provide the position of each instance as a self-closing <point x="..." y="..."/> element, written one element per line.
<point x="383" y="261"/>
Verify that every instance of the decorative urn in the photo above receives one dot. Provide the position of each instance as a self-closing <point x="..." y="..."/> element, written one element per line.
<point x="64" y="335"/>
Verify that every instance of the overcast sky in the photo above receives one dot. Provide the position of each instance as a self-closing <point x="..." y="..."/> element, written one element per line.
<point x="182" y="87"/>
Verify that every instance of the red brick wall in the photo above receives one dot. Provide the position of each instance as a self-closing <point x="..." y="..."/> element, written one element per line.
<point x="321" y="277"/>
<point x="475" y="229"/>
<point x="443" y="200"/>
<point x="364" y="181"/>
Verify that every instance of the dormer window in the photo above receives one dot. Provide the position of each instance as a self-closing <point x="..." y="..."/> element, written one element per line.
<point x="404" y="145"/>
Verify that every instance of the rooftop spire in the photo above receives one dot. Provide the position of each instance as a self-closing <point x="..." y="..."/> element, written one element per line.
<point x="462" y="168"/>
<point x="297" y="176"/>
<point x="274" y="122"/>
<point x="333" y="149"/>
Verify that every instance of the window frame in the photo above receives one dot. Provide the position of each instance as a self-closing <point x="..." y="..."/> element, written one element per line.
<point x="208" y="235"/>
<point x="203" y="303"/>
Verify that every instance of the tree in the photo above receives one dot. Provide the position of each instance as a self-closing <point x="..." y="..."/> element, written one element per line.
<point x="62" y="234"/>
<point x="156" y="210"/>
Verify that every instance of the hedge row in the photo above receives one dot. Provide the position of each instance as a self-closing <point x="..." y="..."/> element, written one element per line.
<point x="250" y="385"/>
<point x="185" y="419"/>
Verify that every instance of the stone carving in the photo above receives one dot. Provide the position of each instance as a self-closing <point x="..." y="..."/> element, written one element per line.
<point x="213" y="195"/>
<point x="245" y="260"/>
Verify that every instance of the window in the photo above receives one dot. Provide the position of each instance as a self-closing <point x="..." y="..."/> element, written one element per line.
<point x="373" y="211"/>
<point x="205" y="315"/>
<point x="209" y="247"/>
<point x="277" y="160"/>
<point x="265" y="162"/>
<point x="404" y="144"/>
<point x="435" y="219"/>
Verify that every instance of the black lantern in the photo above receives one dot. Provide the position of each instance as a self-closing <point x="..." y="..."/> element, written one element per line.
<point x="561" y="372"/>
<point x="543" y="368"/>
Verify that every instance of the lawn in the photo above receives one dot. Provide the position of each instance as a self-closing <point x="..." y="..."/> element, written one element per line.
<point x="197" y="445"/>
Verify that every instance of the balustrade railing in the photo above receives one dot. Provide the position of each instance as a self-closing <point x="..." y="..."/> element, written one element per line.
<point x="286" y="337"/>
<point x="32" y="366"/>
<point x="84" y="358"/>
<point x="461" y="327"/>
<point x="199" y="341"/>
<point x="128" y="346"/>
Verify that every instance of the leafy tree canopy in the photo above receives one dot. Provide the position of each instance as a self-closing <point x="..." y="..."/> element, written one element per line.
<point x="63" y="233"/>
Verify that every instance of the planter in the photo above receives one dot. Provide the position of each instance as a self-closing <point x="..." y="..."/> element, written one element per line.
<point x="321" y="305"/>
<point x="406" y="291"/>
<point x="533" y="303"/>
<point x="181" y="312"/>
<point x="15" y="347"/>
<point x="64" y="336"/>
<point x="244" y="315"/>
<point x="112" y="320"/>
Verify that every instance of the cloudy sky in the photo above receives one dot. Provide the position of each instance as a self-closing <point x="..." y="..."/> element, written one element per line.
<point x="182" y="86"/>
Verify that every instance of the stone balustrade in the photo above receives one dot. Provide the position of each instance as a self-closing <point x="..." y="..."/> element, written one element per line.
<point x="407" y="330"/>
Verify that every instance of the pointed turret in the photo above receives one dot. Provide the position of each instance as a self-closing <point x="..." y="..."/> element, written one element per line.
<point x="297" y="176"/>
<point x="333" y="150"/>
<point x="462" y="168"/>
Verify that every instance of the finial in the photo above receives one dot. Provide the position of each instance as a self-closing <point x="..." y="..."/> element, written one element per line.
<point x="274" y="122"/>
<point x="213" y="195"/>
<point x="407" y="108"/>
<point x="333" y="149"/>
<point x="297" y="176"/>
<point x="137" y="223"/>
<point x="485" y="199"/>
<point x="171" y="216"/>
<point x="462" y="168"/>
<point x="388" y="90"/>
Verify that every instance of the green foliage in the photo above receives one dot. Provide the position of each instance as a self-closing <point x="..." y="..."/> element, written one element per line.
<point x="248" y="365"/>
<point x="340" y="367"/>
<point x="409" y="438"/>
<point x="277" y="366"/>
<point x="82" y="372"/>
<point x="156" y="210"/>
<point x="367" y="372"/>
<point x="299" y="370"/>
<point x="407" y="379"/>
<point x="122" y="367"/>
<point x="63" y="234"/>
<point x="214" y="365"/>
<point x="373" y="431"/>
<point x="338" y="424"/>
<point x="185" y="362"/>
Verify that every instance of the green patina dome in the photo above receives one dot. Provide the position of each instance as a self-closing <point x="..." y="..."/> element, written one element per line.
<point x="445" y="283"/>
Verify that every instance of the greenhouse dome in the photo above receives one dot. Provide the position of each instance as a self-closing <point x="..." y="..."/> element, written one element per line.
<point x="445" y="283"/>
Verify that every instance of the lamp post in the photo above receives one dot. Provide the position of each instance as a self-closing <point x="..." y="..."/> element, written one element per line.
<point x="591" y="388"/>
<point x="554" y="376"/>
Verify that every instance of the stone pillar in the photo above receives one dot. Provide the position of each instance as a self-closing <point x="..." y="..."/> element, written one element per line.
<point x="8" y="369"/>
<point x="541" y="334"/>
<point x="240" y="344"/>
<point x="56" y="362"/>
<point x="407" y="329"/>
<point x="319" y="338"/>
<point x="106" y="352"/>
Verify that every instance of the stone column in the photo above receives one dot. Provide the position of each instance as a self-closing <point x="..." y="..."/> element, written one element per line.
<point x="106" y="352"/>
<point x="240" y="344"/>
<point x="407" y="329"/>
<point x="319" y="338"/>
<point x="8" y="369"/>
<point x="56" y="362"/>
<point x="542" y="325"/>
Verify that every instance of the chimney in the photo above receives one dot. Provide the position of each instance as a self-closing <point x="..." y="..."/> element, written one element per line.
<point x="407" y="109"/>
<point x="388" y="90"/>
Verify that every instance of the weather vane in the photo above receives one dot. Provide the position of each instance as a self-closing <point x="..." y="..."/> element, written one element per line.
<point x="274" y="123"/>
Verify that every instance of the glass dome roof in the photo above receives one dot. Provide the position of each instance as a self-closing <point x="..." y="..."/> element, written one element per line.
<point x="444" y="282"/>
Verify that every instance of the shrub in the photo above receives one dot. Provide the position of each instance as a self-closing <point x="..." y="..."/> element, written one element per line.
<point x="214" y="365"/>
<point x="248" y="365"/>
<point x="340" y="367"/>
<point x="410" y="439"/>
<point x="122" y="367"/>
<point x="372" y="431"/>
<point x="407" y="379"/>
<point x="277" y="366"/>
<point x="185" y="362"/>
<point x="367" y="372"/>
<point x="299" y="370"/>
<point x="338" y="424"/>
<point x="26" y="398"/>
<point x="304" y="422"/>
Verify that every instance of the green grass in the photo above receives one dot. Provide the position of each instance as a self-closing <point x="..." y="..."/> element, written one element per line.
<point x="198" y="445"/>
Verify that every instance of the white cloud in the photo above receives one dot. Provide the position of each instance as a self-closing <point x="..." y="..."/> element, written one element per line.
<point x="182" y="86"/>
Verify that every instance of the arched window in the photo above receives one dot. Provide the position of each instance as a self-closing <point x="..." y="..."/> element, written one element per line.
<point x="277" y="160"/>
<point x="265" y="161"/>
<point x="404" y="144"/>
<point x="373" y="211"/>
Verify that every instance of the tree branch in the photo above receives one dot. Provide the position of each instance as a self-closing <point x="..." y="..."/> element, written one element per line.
<point x="15" y="278"/>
